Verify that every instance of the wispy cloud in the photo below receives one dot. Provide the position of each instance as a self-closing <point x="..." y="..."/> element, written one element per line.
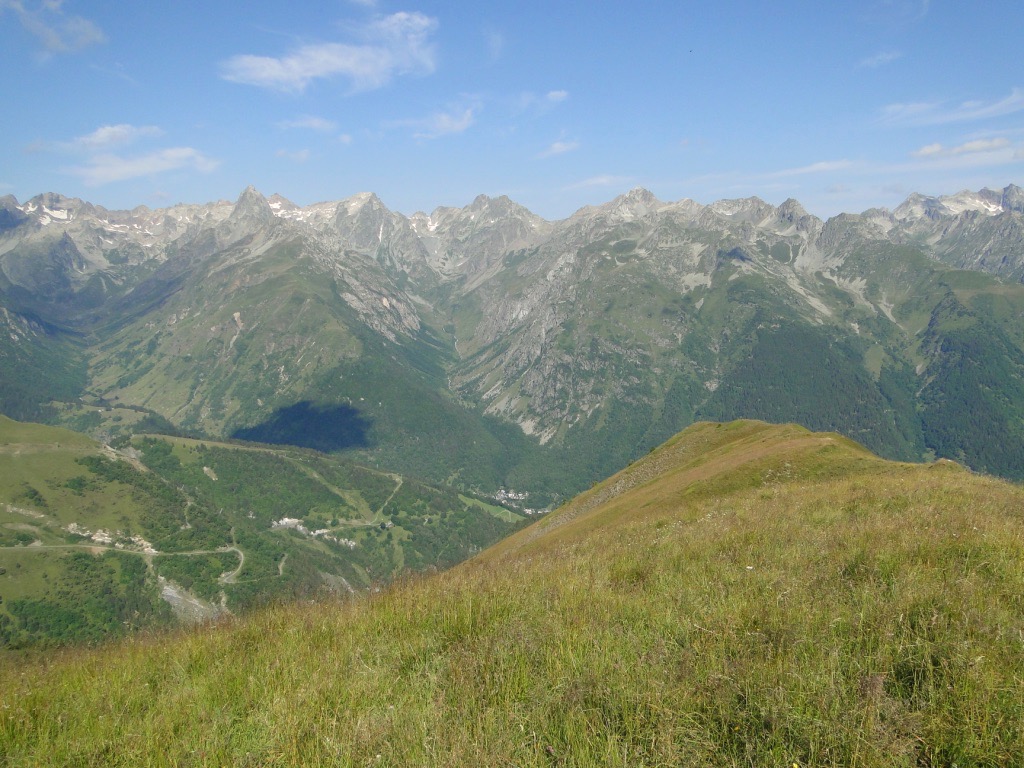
<point x="117" y="70"/>
<point x="765" y="182"/>
<point x="107" y="136"/>
<point x="318" y="124"/>
<point x="296" y="156"/>
<point x="536" y="104"/>
<point x="879" y="60"/>
<point x="106" y="168"/>
<point x="825" y="166"/>
<point x="446" y="123"/>
<point x="937" y="113"/>
<point x="57" y="31"/>
<point x="897" y="12"/>
<point x="967" y="148"/>
<point x="102" y="159"/>
<point x="978" y="152"/>
<point x="442" y="123"/>
<point x="495" y="43"/>
<point x="398" y="44"/>
<point x="559" y="148"/>
<point x="604" y="180"/>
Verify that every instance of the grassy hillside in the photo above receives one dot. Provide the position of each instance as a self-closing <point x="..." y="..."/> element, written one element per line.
<point x="208" y="526"/>
<point x="744" y="595"/>
<point x="37" y="365"/>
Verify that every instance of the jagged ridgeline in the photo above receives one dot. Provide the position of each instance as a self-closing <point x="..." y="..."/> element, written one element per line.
<point x="95" y="543"/>
<point x="485" y="347"/>
<point x="746" y="594"/>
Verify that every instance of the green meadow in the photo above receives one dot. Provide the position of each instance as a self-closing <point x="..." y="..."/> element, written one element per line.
<point x="745" y="595"/>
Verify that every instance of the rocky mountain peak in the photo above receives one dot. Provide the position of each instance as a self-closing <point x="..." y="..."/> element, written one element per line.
<point x="51" y="206"/>
<point x="365" y="224"/>
<point x="639" y="195"/>
<point x="793" y="215"/>
<point x="250" y="213"/>
<point x="791" y="210"/>
<point x="1012" y="199"/>
<point x="361" y="202"/>
<point x="11" y="214"/>
<point x="916" y="206"/>
<point x="987" y="202"/>
<point x="497" y="209"/>
<point x="252" y="206"/>
<point x="54" y="201"/>
<point x="749" y="209"/>
<point x="638" y="198"/>
<point x="279" y="203"/>
<point x="636" y="203"/>
<point x="687" y="207"/>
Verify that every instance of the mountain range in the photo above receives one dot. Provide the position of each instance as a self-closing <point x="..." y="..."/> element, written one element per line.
<point x="488" y="348"/>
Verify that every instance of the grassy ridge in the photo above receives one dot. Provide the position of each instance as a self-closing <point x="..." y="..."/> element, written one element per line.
<point x="746" y="595"/>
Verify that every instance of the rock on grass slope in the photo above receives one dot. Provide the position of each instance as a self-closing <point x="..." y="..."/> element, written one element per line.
<point x="746" y="594"/>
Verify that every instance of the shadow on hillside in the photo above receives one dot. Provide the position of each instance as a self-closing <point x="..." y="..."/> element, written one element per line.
<point x="327" y="428"/>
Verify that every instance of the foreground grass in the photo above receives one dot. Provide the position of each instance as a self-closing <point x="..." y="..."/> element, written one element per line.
<point x="851" y="612"/>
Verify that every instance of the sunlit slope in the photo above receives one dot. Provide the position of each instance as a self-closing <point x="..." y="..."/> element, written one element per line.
<point x="704" y="460"/>
<point x="745" y="595"/>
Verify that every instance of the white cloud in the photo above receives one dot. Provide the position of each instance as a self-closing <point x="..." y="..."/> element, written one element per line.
<point x="58" y="31"/>
<point x="102" y="163"/>
<point x="445" y="123"/>
<point x="454" y="120"/>
<point x="986" y="152"/>
<point x="345" y="138"/>
<point x="538" y="104"/>
<point x="107" y="136"/>
<point x="879" y="60"/>
<point x="319" y="124"/>
<point x="929" y="151"/>
<point x="559" y="148"/>
<point x="398" y="44"/>
<point x="970" y="147"/>
<point x="106" y="168"/>
<point x="936" y="113"/>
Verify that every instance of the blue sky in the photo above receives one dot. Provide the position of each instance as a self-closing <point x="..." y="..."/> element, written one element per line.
<point x="843" y="106"/>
